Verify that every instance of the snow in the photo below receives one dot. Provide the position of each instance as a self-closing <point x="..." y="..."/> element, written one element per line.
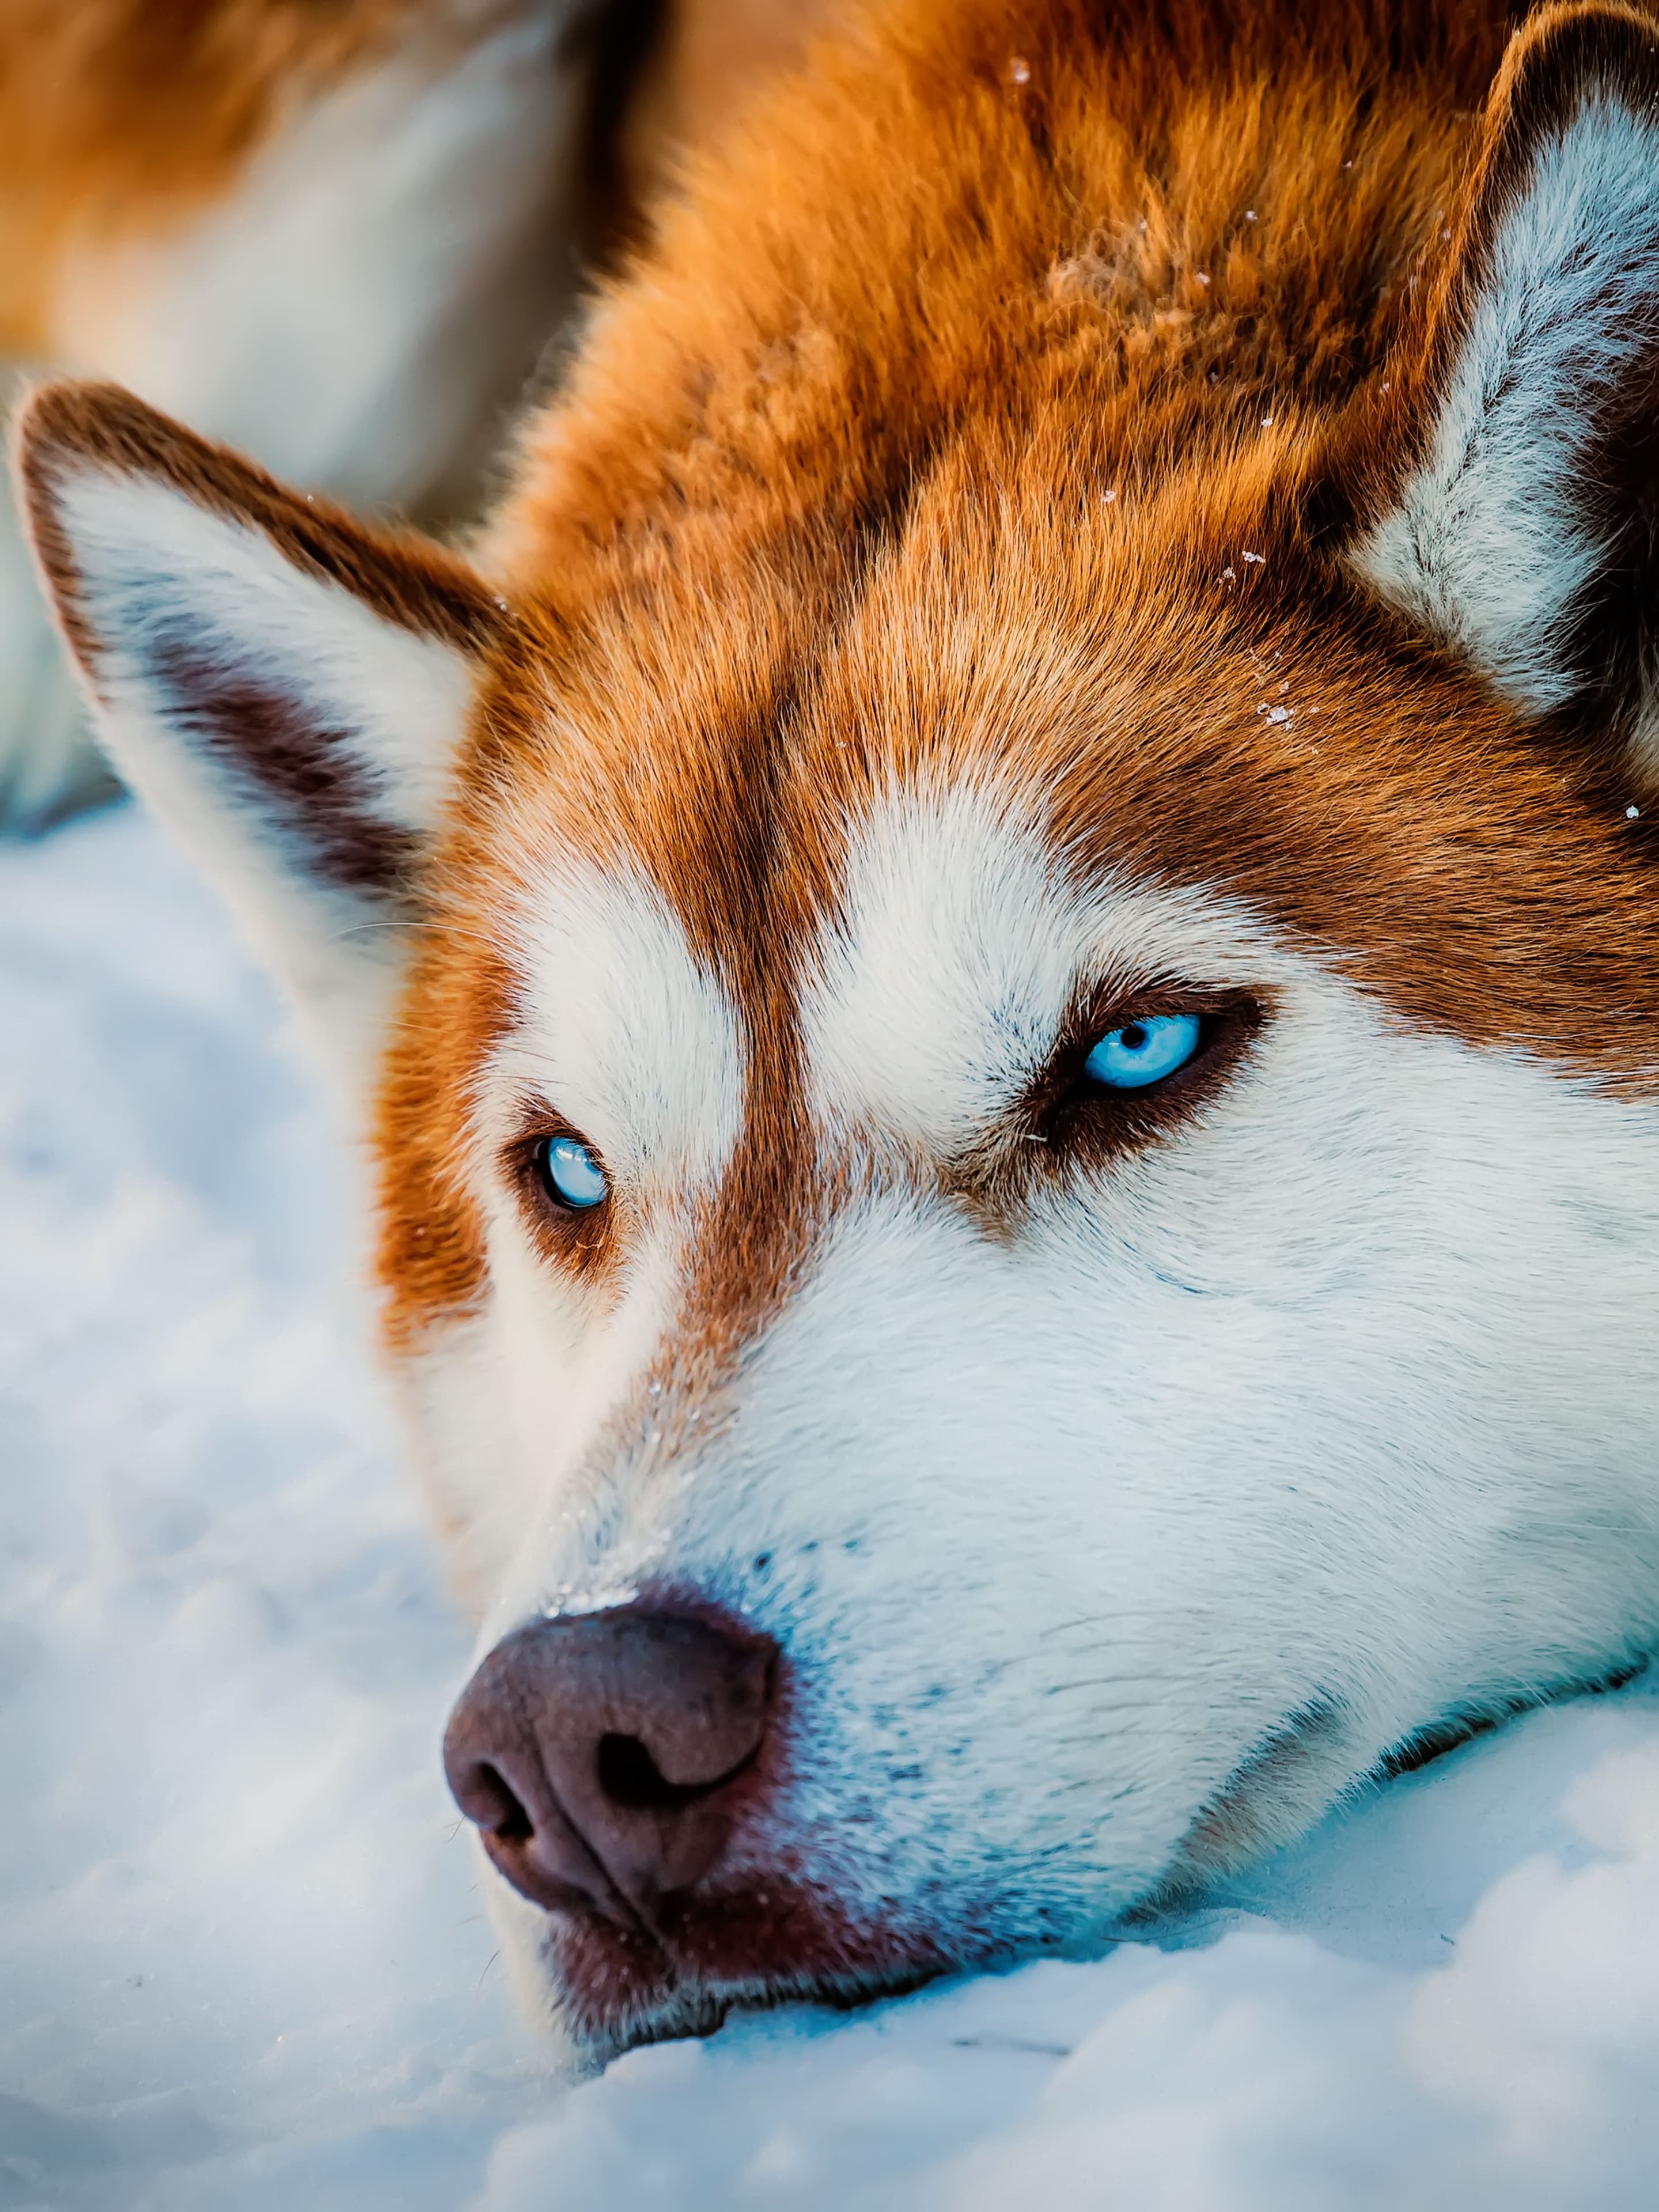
<point x="242" y="1959"/>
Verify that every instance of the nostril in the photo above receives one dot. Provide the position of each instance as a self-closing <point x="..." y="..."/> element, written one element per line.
<point x="489" y="1800"/>
<point x="513" y="1823"/>
<point x="631" y="1779"/>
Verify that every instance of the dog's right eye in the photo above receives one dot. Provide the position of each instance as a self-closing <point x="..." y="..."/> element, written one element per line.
<point x="571" y="1173"/>
<point x="1139" y="1053"/>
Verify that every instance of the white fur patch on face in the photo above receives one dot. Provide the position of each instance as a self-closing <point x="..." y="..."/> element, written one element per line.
<point x="621" y="1030"/>
<point x="940" y="983"/>
<point x="623" y="1034"/>
<point x="1488" y="547"/>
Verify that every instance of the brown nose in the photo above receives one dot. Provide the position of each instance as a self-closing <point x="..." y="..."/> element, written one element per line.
<point x="601" y="1756"/>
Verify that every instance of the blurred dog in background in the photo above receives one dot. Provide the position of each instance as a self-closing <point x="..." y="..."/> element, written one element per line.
<point x="346" y="235"/>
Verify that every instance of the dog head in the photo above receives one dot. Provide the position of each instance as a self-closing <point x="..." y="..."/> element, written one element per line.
<point x="1012" y="1078"/>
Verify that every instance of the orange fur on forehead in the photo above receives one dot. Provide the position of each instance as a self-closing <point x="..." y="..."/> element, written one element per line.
<point x="1177" y="685"/>
<point x="906" y="231"/>
<point x="931" y="438"/>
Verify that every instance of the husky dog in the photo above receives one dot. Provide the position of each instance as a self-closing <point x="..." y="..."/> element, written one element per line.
<point x="998" y="947"/>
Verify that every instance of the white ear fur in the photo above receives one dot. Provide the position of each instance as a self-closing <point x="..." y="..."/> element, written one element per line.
<point x="1512" y="537"/>
<point x="296" y="735"/>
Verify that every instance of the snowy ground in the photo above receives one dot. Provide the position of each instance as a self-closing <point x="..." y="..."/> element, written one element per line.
<point x="242" y="1956"/>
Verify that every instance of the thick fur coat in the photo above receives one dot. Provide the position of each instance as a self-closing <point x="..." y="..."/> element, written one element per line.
<point x="1090" y="524"/>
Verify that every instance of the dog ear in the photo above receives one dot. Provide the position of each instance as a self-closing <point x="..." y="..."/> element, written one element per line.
<point x="1515" y="515"/>
<point x="285" y="686"/>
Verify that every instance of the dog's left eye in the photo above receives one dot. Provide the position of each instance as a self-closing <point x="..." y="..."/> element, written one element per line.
<point x="572" y="1173"/>
<point x="1144" y="1052"/>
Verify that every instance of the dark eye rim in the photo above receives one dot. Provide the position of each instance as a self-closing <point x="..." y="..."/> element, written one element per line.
<point x="1068" y="1113"/>
<point x="577" y="1235"/>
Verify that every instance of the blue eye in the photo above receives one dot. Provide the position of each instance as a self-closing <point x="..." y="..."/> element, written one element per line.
<point x="572" y="1173"/>
<point x="1144" y="1052"/>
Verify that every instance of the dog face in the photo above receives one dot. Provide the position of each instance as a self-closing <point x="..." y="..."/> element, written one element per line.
<point x="1019" y="1170"/>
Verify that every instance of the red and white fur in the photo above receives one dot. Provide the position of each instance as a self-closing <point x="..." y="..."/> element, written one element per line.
<point x="1120" y="1492"/>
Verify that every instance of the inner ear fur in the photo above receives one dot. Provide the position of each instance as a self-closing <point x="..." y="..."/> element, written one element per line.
<point x="404" y="576"/>
<point x="286" y="686"/>
<point x="1509" y="489"/>
<point x="216" y="616"/>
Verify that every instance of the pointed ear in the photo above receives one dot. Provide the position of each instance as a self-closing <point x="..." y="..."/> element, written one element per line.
<point x="285" y="686"/>
<point x="1515" y="512"/>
